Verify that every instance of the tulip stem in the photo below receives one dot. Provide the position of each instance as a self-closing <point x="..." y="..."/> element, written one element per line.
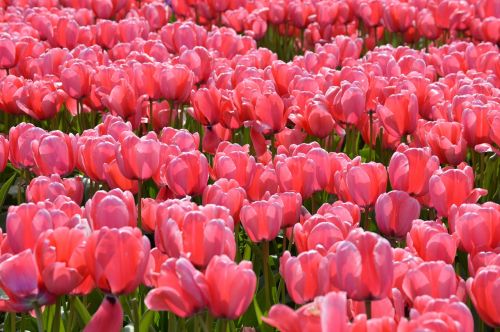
<point x="223" y="325"/>
<point x="370" y="113"/>
<point x="139" y="204"/>
<point x="237" y="240"/>
<point x="265" y="268"/>
<point x="368" y="309"/>
<point x="150" y="122"/>
<point x="12" y="321"/>
<point x="39" y="318"/>
<point x="57" y="316"/>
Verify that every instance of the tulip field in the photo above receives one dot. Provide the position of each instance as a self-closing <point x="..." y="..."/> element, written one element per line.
<point x="250" y="165"/>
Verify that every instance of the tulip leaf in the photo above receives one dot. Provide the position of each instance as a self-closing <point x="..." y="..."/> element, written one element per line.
<point x="146" y="321"/>
<point x="82" y="311"/>
<point x="5" y="189"/>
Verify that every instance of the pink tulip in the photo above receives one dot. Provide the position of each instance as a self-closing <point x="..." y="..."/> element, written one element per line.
<point x="431" y="241"/>
<point x="447" y="142"/>
<point x="294" y="174"/>
<point x="176" y="82"/>
<point x="365" y="183"/>
<point x="54" y="152"/>
<point x="75" y="78"/>
<point x="480" y="260"/>
<point x="113" y="209"/>
<point x="410" y="169"/>
<point x="4" y="153"/>
<point x="112" y="271"/>
<point x="225" y="278"/>
<point x="187" y="174"/>
<point x="264" y="180"/>
<point x="478" y="230"/>
<point x="320" y="232"/>
<point x="108" y="317"/>
<point x="395" y="212"/>
<point x="262" y="220"/>
<point x="8" y="97"/>
<point x="23" y="292"/>
<point x="357" y="259"/>
<point x="49" y="188"/>
<point x="232" y="161"/>
<point x="453" y="186"/>
<point x="436" y="279"/>
<point x="399" y="114"/>
<point x="40" y="99"/>
<point x="94" y="153"/>
<point x="138" y="158"/>
<point x="481" y="289"/>
<point x="8" y="53"/>
<point x="181" y="289"/>
<point x="116" y="179"/>
<point x="227" y="193"/>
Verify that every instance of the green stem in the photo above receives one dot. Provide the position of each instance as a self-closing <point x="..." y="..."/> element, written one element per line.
<point x="265" y="267"/>
<point x="70" y="319"/>
<point x="39" y="318"/>
<point x="237" y="239"/>
<point x="150" y="123"/>
<point x="12" y="321"/>
<point x="223" y="325"/>
<point x="57" y="317"/>
<point x="208" y="322"/>
<point x="370" y="113"/>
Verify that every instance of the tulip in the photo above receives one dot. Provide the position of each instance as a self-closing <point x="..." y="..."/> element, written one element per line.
<point x="20" y="138"/>
<point x="8" y="97"/>
<point x="366" y="182"/>
<point x="356" y="257"/>
<point x="447" y="142"/>
<point x="292" y="205"/>
<point x="294" y="174"/>
<point x="262" y="220"/>
<point x="115" y="178"/>
<point x="49" y="188"/>
<point x="320" y="232"/>
<point x="60" y="258"/>
<point x="113" y="271"/>
<point x="40" y="99"/>
<point x="225" y="278"/>
<point x="232" y="161"/>
<point x="436" y="279"/>
<point x="270" y="112"/>
<point x="176" y="82"/>
<point x="227" y="193"/>
<point x="4" y="153"/>
<point x="431" y="241"/>
<point x="181" y="289"/>
<point x="207" y="104"/>
<point x="480" y="260"/>
<point x="185" y="140"/>
<point x="8" y="53"/>
<point x="478" y="230"/>
<point x="54" y="153"/>
<point x="75" y="78"/>
<point x="399" y="114"/>
<point x="122" y="100"/>
<point x="264" y="180"/>
<point x="476" y="126"/>
<point x="395" y="212"/>
<point x="20" y="280"/>
<point x="106" y="35"/>
<point x="323" y="314"/>
<point x="411" y="168"/>
<point x="481" y="289"/>
<point x="138" y="158"/>
<point x="348" y="103"/>
<point x="113" y="209"/>
<point x="187" y="173"/>
<point x="437" y="321"/>
<point x="94" y="153"/>
<point x="453" y="186"/>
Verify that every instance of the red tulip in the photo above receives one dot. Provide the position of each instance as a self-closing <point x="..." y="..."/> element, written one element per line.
<point x="398" y="17"/>
<point x="113" y="209"/>
<point x="411" y="168"/>
<point x="138" y="158"/>
<point x="115" y="178"/>
<point x="187" y="173"/>
<point x="21" y="282"/>
<point x="60" y="258"/>
<point x="181" y="289"/>
<point x="481" y="290"/>
<point x="112" y="270"/>
<point x="49" y="188"/>
<point x="395" y="212"/>
<point x="364" y="266"/>
<point x="436" y="279"/>
<point x="453" y="186"/>
<point x="8" y="97"/>
<point x="207" y="105"/>
<point x="225" y="278"/>
<point x="262" y="220"/>
<point x="431" y="241"/>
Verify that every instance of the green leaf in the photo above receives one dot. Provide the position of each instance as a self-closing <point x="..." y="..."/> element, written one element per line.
<point x="146" y="321"/>
<point x="5" y="189"/>
<point x="82" y="311"/>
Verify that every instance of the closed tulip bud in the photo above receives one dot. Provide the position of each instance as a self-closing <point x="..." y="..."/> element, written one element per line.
<point x="233" y="161"/>
<point x="436" y="279"/>
<point x="478" y="230"/>
<point x="207" y="105"/>
<point x="320" y="232"/>
<point x="94" y="153"/>
<point x="447" y="142"/>
<point x="411" y="168"/>
<point x="264" y="180"/>
<point x="40" y="99"/>
<point x="115" y="178"/>
<point x="431" y="241"/>
<point x="292" y="205"/>
<point x="106" y="35"/>
<point x="8" y="53"/>
<point x="294" y="174"/>
<point x="187" y="173"/>
<point x="262" y="220"/>
<point x="113" y="209"/>
<point x="75" y="78"/>
<point x="481" y="290"/>
<point x="176" y="82"/>
<point x="395" y="212"/>
<point x="138" y="158"/>
<point x="112" y="271"/>
<point x="453" y="186"/>
<point x="225" y="278"/>
<point x="181" y="289"/>
<point x="356" y="257"/>
<point x="399" y="114"/>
